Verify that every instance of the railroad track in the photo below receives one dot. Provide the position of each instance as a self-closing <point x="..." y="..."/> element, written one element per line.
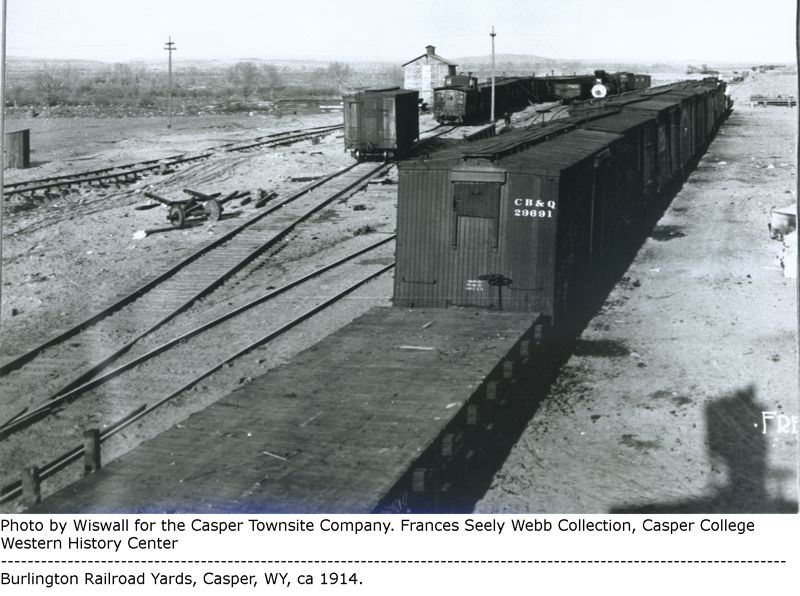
<point x="132" y="384"/>
<point x="75" y="356"/>
<point x="128" y="173"/>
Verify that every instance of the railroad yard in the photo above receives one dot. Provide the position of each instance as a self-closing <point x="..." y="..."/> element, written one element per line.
<point x="658" y="406"/>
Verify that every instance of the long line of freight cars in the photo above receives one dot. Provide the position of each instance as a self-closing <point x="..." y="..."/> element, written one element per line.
<point x="499" y="243"/>
<point x="383" y="123"/>
<point x="463" y="99"/>
<point x="527" y="219"/>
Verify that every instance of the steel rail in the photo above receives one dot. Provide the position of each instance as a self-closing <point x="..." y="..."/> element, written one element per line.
<point x="25" y="419"/>
<point x="14" y="489"/>
<point x="20" y="360"/>
<point x="133" y="169"/>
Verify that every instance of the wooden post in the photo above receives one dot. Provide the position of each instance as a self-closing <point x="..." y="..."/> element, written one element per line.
<point x="91" y="451"/>
<point x="31" y="486"/>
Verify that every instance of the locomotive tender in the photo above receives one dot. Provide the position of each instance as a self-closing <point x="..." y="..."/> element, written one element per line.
<point x="527" y="220"/>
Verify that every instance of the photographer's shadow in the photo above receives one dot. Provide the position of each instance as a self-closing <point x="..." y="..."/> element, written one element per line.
<point x="737" y="443"/>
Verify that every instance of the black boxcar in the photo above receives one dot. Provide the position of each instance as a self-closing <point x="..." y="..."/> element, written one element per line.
<point x="463" y="99"/>
<point x="500" y="224"/>
<point x="381" y="123"/>
<point x="570" y="88"/>
<point x="531" y="219"/>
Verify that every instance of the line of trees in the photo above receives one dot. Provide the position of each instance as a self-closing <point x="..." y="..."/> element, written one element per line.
<point x="136" y="84"/>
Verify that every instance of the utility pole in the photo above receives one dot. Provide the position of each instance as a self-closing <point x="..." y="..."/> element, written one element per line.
<point x="492" y="35"/>
<point x="170" y="47"/>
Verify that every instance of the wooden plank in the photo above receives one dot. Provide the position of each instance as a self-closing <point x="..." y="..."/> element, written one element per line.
<point x="332" y="430"/>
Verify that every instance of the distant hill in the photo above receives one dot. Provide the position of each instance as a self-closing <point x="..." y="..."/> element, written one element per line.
<point x="519" y="63"/>
<point x="21" y="64"/>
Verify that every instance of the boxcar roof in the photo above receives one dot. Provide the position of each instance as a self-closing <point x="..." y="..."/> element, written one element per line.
<point x="572" y="78"/>
<point x="621" y="122"/>
<point x="392" y="92"/>
<point x="565" y="150"/>
<point x="662" y="104"/>
<point x="553" y="155"/>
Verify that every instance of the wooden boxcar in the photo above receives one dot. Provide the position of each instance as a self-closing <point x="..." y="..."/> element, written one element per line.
<point x="463" y="99"/>
<point x="628" y="81"/>
<point x="529" y="220"/>
<point x="570" y="88"/>
<point x="381" y="123"/>
<point x="501" y="225"/>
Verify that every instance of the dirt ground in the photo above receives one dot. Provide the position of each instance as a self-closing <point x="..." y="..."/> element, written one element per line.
<point x="664" y="393"/>
<point x="65" y="257"/>
<point x="53" y="249"/>
<point x="681" y="394"/>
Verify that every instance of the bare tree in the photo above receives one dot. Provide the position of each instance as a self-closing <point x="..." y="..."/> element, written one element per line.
<point x="53" y="85"/>
<point x="339" y="73"/>
<point x="244" y="76"/>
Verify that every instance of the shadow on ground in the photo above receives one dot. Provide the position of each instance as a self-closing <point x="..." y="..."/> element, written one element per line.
<point x="736" y="441"/>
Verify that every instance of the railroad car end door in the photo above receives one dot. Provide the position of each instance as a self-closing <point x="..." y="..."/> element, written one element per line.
<point x="352" y="121"/>
<point x="389" y="124"/>
<point x="475" y="277"/>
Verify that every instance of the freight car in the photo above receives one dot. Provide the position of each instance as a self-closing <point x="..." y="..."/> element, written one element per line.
<point x="381" y="123"/>
<point x="530" y="219"/>
<point x="581" y="87"/>
<point x="462" y="99"/>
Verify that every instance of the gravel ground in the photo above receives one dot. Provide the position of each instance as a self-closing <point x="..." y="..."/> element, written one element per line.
<point x="660" y="404"/>
<point x="64" y="257"/>
<point x="660" y="407"/>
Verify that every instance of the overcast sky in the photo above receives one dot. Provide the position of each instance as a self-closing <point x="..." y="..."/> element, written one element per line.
<point x="679" y="30"/>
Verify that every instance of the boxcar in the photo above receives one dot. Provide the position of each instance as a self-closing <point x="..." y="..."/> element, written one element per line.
<point x="531" y="219"/>
<point x="381" y="123"/>
<point x="570" y="88"/>
<point x="463" y="99"/>
<point x="502" y="224"/>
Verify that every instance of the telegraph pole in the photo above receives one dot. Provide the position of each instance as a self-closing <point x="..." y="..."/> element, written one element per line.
<point x="492" y="35"/>
<point x="170" y="47"/>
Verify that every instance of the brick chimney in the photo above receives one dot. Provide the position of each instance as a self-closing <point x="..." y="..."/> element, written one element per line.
<point x="430" y="50"/>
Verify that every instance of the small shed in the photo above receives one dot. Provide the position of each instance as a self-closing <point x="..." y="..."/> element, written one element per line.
<point x="17" y="150"/>
<point x="427" y="71"/>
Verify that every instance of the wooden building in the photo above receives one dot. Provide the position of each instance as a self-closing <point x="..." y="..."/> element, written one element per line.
<point x="425" y="72"/>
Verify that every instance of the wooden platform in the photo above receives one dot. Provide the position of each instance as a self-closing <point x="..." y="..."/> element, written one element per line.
<point x="379" y="410"/>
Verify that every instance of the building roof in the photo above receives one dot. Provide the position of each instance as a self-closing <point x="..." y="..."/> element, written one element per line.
<point x="434" y="56"/>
